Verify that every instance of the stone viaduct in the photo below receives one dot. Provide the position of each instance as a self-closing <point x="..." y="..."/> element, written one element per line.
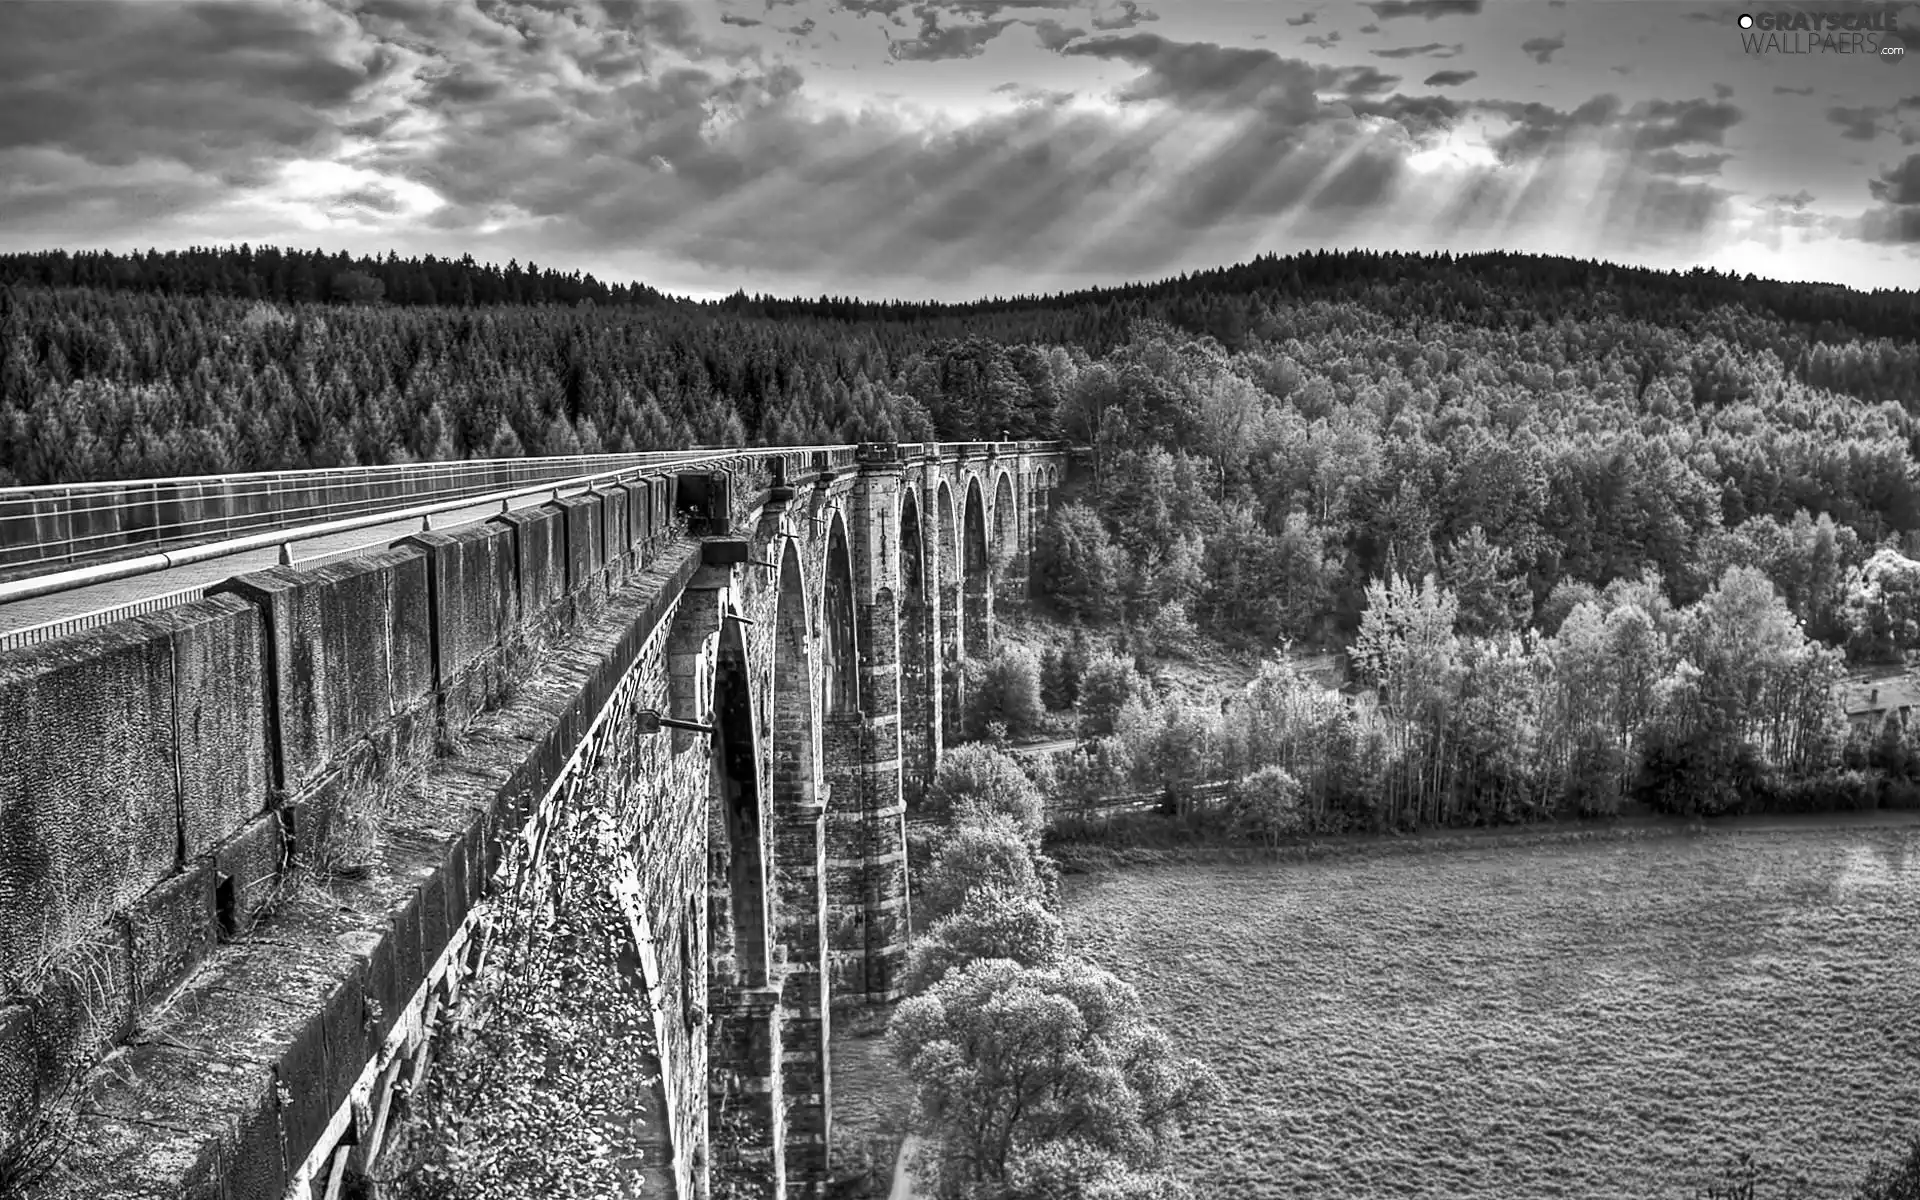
<point x="253" y="847"/>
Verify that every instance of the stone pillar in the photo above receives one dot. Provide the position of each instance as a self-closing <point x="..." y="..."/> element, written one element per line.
<point x="934" y="641"/>
<point x="866" y="833"/>
<point x="1018" y="561"/>
<point x="805" y="1031"/>
<point x="744" y="1096"/>
<point x="952" y="654"/>
<point x="843" y="750"/>
<point x="919" y="700"/>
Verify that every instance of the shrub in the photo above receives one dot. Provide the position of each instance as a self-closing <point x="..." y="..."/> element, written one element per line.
<point x="1008" y="1059"/>
<point x="991" y="922"/>
<point x="1004" y="690"/>
<point x="986" y="852"/>
<point x="1105" y="688"/>
<point x="978" y="780"/>
<point x="1265" y="807"/>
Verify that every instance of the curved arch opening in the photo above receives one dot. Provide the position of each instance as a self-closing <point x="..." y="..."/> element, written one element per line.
<point x="1006" y="523"/>
<point x="918" y="671"/>
<point x="839" y="649"/>
<point x="977" y="568"/>
<point x="736" y="865"/>
<point x="947" y="561"/>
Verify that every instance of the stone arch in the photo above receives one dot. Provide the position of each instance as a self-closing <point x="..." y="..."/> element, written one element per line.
<point x="952" y="630"/>
<point x="794" y="789"/>
<point x="736" y="865"/>
<point x="919" y="673"/>
<point x="1006" y="522"/>
<point x="977" y="574"/>
<point x="839" y="645"/>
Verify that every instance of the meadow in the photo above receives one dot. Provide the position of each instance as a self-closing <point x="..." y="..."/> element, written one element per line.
<point x="1610" y="1019"/>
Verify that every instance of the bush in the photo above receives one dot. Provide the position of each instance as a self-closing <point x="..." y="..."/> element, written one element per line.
<point x="1265" y="807"/>
<point x="1008" y="1059"/>
<point x="990" y="923"/>
<point x="986" y="852"/>
<point x="979" y="780"/>
<point x="1104" y="690"/>
<point x="1005" y="691"/>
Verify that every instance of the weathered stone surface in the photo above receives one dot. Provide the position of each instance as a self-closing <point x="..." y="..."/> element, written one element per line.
<point x="171" y="930"/>
<point x="350" y="653"/>
<point x="540" y="562"/>
<point x="219" y="664"/>
<point x="298" y="1008"/>
<point x="247" y="869"/>
<point x="474" y="605"/>
<point x="89" y="809"/>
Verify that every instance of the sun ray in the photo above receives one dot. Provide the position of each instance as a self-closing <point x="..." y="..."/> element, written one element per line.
<point x="1168" y="177"/>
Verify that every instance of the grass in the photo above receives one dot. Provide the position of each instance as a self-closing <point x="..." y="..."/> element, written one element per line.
<point x="1610" y="1019"/>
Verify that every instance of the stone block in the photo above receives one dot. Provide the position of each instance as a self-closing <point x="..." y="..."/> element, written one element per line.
<point x="333" y="684"/>
<point x="171" y="929"/>
<point x="220" y="673"/>
<point x="585" y="548"/>
<point x="541" y="564"/>
<point x="89" y="812"/>
<point x="247" y="869"/>
<point x="474" y="603"/>
<point x="347" y="1025"/>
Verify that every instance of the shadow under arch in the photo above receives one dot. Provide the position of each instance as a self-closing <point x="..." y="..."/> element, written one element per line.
<point x="952" y="631"/>
<point x="919" y="668"/>
<point x="736" y="865"/>
<point x="978" y="586"/>
<point x="1006" y="537"/>
<point x="839" y="642"/>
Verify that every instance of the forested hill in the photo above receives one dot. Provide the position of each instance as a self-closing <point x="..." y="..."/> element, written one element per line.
<point x="208" y="361"/>
<point x="1497" y="289"/>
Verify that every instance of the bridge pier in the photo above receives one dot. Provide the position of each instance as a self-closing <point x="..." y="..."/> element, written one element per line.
<point x="744" y="1079"/>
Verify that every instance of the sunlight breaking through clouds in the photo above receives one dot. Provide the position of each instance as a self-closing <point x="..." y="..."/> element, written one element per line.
<point x="948" y="148"/>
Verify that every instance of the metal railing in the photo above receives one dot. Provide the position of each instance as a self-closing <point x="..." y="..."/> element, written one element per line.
<point x="631" y="466"/>
<point x="72" y="523"/>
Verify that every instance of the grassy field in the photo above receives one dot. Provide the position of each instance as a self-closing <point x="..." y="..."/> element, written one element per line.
<point x="1591" y="1021"/>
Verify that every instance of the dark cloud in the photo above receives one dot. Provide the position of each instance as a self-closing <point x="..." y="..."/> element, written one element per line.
<point x="1898" y="226"/>
<point x="1780" y="90"/>
<point x="1055" y="36"/>
<point x="1862" y="124"/>
<point x="1430" y="50"/>
<point x="1124" y="15"/>
<point x="1450" y="78"/>
<point x="1541" y="49"/>
<point x="1303" y="19"/>
<point x="1367" y="81"/>
<point x="1206" y="75"/>
<point x="1539" y="128"/>
<point x="1677" y="163"/>
<point x="1899" y="184"/>
<point x="225" y="91"/>
<point x="1369" y="27"/>
<point x="1796" y="202"/>
<point x="937" y="42"/>
<point x="1388" y="10"/>
<point x="736" y="19"/>
<point x="1659" y="124"/>
<point x="1420" y="116"/>
<point x="1325" y="43"/>
<point x="1722" y="92"/>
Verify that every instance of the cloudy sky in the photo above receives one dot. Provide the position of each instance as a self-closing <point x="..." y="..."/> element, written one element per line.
<point x="957" y="148"/>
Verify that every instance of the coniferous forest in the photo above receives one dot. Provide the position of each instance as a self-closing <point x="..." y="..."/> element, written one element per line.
<point x="1507" y="483"/>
